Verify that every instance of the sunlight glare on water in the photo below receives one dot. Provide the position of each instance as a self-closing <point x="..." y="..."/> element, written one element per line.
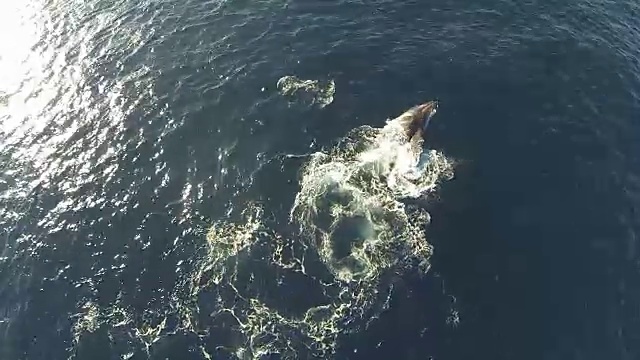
<point x="67" y="103"/>
<point x="59" y="123"/>
<point x="22" y="65"/>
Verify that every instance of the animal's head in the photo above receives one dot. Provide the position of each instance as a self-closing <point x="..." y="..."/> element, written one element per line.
<point x="418" y="118"/>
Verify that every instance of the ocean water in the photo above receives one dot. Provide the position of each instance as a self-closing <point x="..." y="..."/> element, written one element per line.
<point x="164" y="196"/>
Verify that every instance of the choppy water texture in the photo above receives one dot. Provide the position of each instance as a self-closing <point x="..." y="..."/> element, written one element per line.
<point x="164" y="195"/>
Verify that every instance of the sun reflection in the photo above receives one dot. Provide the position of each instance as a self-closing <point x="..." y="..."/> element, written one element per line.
<point x="61" y="114"/>
<point x="20" y="64"/>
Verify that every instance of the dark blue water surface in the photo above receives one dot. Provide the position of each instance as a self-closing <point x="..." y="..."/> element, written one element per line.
<point x="127" y="126"/>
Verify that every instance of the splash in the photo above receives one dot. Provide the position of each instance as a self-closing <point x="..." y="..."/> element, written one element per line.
<point x="313" y="92"/>
<point x="293" y="289"/>
<point x="351" y="237"/>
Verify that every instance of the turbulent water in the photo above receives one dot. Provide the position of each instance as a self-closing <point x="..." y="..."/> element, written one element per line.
<point x="219" y="180"/>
